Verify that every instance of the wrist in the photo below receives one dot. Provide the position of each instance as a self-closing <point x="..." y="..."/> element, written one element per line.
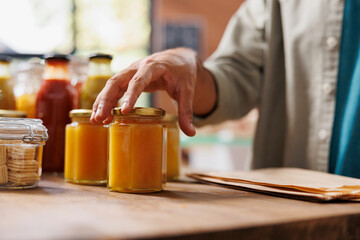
<point x="206" y="92"/>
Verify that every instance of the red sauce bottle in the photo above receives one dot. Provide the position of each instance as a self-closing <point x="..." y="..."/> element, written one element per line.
<point x="55" y="99"/>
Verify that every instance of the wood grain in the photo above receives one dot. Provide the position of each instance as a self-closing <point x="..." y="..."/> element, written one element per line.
<point x="59" y="210"/>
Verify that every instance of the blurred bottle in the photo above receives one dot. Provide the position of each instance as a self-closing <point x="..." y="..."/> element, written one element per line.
<point x="7" y="99"/>
<point x="98" y="73"/>
<point x="28" y="81"/>
<point x="78" y="68"/>
<point x="55" y="99"/>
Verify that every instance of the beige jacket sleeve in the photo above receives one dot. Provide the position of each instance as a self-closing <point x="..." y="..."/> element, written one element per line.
<point x="237" y="64"/>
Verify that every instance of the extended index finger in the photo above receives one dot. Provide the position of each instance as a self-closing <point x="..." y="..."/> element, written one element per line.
<point x="108" y="97"/>
<point x="146" y="74"/>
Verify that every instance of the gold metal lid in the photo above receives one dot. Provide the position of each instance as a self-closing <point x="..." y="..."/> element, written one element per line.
<point x="60" y="57"/>
<point x="100" y="56"/>
<point x="85" y="113"/>
<point x="170" y="118"/>
<point x="12" y="113"/>
<point x="140" y="111"/>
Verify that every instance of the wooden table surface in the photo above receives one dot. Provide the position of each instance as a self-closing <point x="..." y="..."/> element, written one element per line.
<point x="59" y="210"/>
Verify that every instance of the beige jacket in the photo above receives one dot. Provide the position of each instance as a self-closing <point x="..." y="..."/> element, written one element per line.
<point x="282" y="57"/>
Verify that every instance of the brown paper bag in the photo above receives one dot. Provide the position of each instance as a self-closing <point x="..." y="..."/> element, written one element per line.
<point x="288" y="182"/>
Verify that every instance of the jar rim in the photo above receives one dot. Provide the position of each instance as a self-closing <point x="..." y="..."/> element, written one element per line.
<point x="85" y="113"/>
<point x="140" y="112"/>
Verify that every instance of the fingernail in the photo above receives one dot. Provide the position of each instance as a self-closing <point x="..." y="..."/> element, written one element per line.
<point x="92" y="115"/>
<point x="124" y="105"/>
<point x="192" y="128"/>
<point x="98" y="111"/>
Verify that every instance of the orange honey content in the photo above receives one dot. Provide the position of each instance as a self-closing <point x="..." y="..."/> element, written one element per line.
<point x="173" y="147"/>
<point x="85" y="150"/>
<point x="136" y="151"/>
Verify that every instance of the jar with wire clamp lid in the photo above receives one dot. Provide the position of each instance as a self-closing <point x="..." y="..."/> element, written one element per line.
<point x="21" y="144"/>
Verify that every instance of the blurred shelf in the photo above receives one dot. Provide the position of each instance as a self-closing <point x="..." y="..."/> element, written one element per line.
<point x="215" y="140"/>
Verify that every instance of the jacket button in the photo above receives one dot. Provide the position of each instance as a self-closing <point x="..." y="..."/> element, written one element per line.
<point x="332" y="42"/>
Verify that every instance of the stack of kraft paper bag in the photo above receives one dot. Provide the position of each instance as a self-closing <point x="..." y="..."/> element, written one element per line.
<point x="287" y="182"/>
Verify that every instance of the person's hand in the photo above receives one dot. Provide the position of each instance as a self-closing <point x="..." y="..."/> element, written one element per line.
<point x="174" y="71"/>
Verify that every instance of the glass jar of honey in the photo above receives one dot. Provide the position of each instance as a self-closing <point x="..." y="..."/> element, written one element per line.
<point x="173" y="147"/>
<point x="85" y="150"/>
<point x="137" y="142"/>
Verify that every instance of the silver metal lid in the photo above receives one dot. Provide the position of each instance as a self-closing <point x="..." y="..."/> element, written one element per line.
<point x="25" y="129"/>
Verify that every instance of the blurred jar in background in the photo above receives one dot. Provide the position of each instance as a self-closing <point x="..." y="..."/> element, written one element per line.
<point x="55" y="99"/>
<point x="28" y="81"/>
<point x="78" y="68"/>
<point x="173" y="147"/>
<point x="7" y="99"/>
<point x="99" y="72"/>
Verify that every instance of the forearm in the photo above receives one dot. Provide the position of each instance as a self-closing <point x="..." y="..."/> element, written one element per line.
<point x="205" y="96"/>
